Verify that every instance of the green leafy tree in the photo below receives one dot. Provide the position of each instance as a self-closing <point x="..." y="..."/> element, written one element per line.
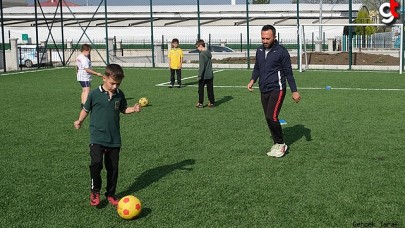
<point x="373" y="6"/>
<point x="363" y="17"/>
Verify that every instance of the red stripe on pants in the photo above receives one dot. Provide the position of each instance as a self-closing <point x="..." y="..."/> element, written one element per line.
<point x="276" y="108"/>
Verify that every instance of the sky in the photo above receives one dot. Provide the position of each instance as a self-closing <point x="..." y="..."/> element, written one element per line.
<point x="155" y="2"/>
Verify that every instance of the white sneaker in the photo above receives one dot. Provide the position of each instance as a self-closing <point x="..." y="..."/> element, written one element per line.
<point x="272" y="151"/>
<point x="280" y="150"/>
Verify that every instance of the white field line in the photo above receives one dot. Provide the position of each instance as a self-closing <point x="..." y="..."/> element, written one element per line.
<point x="31" y="71"/>
<point x="363" y="89"/>
<point x="194" y="76"/>
<point x="300" y="88"/>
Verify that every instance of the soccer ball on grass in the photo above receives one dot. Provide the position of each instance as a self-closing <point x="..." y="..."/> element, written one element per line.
<point x="143" y="102"/>
<point x="129" y="207"/>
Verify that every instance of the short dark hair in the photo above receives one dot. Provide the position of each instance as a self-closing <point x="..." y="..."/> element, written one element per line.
<point x="114" y="71"/>
<point x="175" y="40"/>
<point x="200" y="42"/>
<point x="269" y="27"/>
<point x="85" y="47"/>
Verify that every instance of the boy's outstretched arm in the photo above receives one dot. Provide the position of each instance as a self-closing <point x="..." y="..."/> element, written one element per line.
<point x="135" y="108"/>
<point x="90" y="71"/>
<point x="82" y="116"/>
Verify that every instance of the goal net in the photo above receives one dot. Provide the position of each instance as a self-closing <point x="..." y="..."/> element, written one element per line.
<point x="350" y="46"/>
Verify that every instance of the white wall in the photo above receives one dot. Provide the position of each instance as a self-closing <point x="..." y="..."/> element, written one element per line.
<point x="129" y="34"/>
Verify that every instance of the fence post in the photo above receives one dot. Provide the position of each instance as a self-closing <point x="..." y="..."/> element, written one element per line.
<point x="110" y="51"/>
<point x="247" y="34"/>
<point x="241" y="43"/>
<point x="330" y="44"/>
<point x="163" y="49"/>
<point x="13" y="62"/>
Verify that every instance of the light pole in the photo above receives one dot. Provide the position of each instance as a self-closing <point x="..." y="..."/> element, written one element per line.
<point x="350" y="35"/>
<point x="247" y="36"/>
<point x="151" y="33"/>
<point x="2" y="37"/>
<point x="402" y="32"/>
<point x="298" y="35"/>
<point x="320" y="20"/>
<point x="198" y="20"/>
<point x="106" y="32"/>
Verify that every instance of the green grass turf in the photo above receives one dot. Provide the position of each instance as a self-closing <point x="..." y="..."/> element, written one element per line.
<point x="207" y="167"/>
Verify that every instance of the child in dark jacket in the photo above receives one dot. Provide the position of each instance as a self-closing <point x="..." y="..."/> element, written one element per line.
<point x="205" y="75"/>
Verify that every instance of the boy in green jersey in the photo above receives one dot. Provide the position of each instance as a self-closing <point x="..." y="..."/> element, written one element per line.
<point x="104" y="105"/>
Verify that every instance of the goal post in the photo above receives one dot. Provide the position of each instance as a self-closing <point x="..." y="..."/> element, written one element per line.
<point x="365" y="51"/>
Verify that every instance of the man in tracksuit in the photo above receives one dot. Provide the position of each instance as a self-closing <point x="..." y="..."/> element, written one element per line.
<point x="273" y="69"/>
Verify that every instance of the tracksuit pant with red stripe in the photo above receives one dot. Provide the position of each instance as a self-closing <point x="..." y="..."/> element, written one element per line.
<point x="272" y="102"/>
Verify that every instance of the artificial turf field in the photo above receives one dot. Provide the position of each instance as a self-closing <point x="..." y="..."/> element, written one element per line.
<point x="208" y="167"/>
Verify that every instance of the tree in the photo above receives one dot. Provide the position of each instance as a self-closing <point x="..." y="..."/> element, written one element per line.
<point x="363" y="17"/>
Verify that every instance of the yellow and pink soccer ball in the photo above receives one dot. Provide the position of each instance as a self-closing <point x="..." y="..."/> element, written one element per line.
<point x="143" y="102"/>
<point x="129" y="207"/>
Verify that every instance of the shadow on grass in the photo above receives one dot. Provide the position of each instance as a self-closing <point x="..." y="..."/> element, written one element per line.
<point x="295" y="133"/>
<point x="144" y="213"/>
<point x="153" y="175"/>
<point x="190" y="83"/>
<point x="223" y="100"/>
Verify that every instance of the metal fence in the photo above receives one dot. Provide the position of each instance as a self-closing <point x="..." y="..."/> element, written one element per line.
<point x="140" y="35"/>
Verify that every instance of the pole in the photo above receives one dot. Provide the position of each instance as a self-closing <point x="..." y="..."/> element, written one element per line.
<point x="401" y="60"/>
<point x="298" y="35"/>
<point x="2" y="37"/>
<point x="320" y="20"/>
<point x="247" y="36"/>
<point x="163" y="48"/>
<point x="350" y="35"/>
<point x="402" y="34"/>
<point x="241" y="43"/>
<point x="36" y="32"/>
<point x="106" y="32"/>
<point x="198" y="18"/>
<point x="63" y="36"/>
<point x="151" y="33"/>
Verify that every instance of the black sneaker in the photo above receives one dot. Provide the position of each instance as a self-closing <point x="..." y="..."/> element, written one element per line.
<point x="170" y="86"/>
<point x="199" y="105"/>
<point x="179" y="86"/>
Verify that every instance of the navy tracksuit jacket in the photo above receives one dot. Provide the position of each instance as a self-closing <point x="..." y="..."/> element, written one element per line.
<point x="274" y="70"/>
